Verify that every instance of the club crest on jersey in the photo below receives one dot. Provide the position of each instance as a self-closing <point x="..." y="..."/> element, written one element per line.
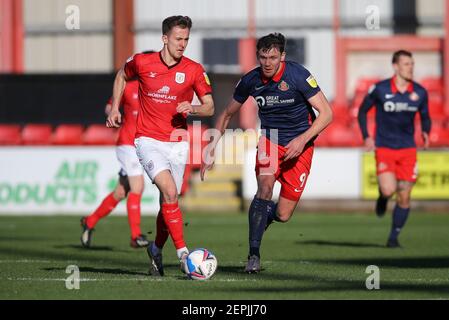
<point x="414" y="96"/>
<point x="180" y="77"/>
<point x="283" y="86"/>
<point x="312" y="82"/>
<point x="152" y="74"/>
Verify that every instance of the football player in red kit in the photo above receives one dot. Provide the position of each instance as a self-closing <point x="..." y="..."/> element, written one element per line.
<point x="131" y="181"/>
<point x="167" y="83"/>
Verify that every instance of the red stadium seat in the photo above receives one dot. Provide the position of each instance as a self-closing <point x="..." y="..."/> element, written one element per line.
<point x="341" y="114"/>
<point x="357" y="100"/>
<point x="10" y="134"/>
<point x="37" y="134"/>
<point x="338" y="135"/>
<point x="363" y="85"/>
<point x="354" y="112"/>
<point x="99" y="134"/>
<point x="439" y="137"/>
<point x="68" y="134"/>
<point x="436" y="108"/>
<point x="432" y="84"/>
<point x="321" y="140"/>
<point x="197" y="146"/>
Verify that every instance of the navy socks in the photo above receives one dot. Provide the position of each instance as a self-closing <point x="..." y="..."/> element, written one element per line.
<point x="272" y="216"/>
<point x="259" y="211"/>
<point x="399" y="218"/>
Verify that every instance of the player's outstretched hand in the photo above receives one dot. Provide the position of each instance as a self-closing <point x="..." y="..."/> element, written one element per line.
<point x="204" y="168"/>
<point x="184" y="107"/>
<point x="114" y="119"/>
<point x="369" y="144"/>
<point x="425" y="137"/>
<point x="294" y="148"/>
<point x="207" y="162"/>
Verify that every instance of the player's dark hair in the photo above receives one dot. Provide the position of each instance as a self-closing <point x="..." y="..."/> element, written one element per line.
<point x="273" y="40"/>
<point x="176" y="21"/>
<point x="398" y="54"/>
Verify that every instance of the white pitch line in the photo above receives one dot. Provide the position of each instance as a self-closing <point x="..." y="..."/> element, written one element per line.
<point x="216" y="280"/>
<point x="26" y="261"/>
<point x="39" y="261"/>
<point x="116" y="279"/>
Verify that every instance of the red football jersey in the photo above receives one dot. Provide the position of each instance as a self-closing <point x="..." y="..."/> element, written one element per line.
<point x="130" y="104"/>
<point x="161" y="89"/>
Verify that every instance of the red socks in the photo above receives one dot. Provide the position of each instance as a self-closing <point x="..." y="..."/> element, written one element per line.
<point x="108" y="204"/>
<point x="133" y="207"/>
<point x="161" y="231"/>
<point x="173" y="220"/>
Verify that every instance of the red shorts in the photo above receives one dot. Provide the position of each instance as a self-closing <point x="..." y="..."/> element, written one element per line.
<point x="291" y="174"/>
<point x="401" y="162"/>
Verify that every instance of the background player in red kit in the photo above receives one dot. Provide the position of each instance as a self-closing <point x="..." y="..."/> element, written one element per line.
<point x="131" y="181"/>
<point x="397" y="101"/>
<point x="285" y="93"/>
<point x="167" y="82"/>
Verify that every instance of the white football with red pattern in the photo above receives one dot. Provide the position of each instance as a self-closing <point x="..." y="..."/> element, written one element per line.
<point x="200" y="264"/>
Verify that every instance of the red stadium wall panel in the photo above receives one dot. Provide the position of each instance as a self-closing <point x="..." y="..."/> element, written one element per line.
<point x="123" y="31"/>
<point x="11" y="36"/>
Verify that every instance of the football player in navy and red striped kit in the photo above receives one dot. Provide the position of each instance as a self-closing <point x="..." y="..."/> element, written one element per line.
<point x="286" y="94"/>
<point x="397" y="101"/>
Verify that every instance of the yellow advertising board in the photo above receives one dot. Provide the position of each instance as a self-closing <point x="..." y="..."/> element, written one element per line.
<point x="433" y="176"/>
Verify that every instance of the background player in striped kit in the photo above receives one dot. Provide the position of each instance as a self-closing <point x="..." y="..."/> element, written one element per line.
<point x="286" y="94"/>
<point x="397" y="101"/>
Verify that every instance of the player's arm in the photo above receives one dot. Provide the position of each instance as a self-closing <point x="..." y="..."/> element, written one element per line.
<point x="320" y="103"/>
<point x="202" y="88"/>
<point x="222" y="123"/>
<point x="128" y="72"/>
<point x="367" y="104"/>
<point x="426" y="123"/>
<point x="223" y="120"/>
<point x="114" y="117"/>
<point x="107" y="109"/>
<point x="206" y="109"/>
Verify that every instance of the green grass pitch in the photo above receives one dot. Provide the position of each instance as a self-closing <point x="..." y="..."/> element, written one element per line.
<point x="313" y="256"/>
